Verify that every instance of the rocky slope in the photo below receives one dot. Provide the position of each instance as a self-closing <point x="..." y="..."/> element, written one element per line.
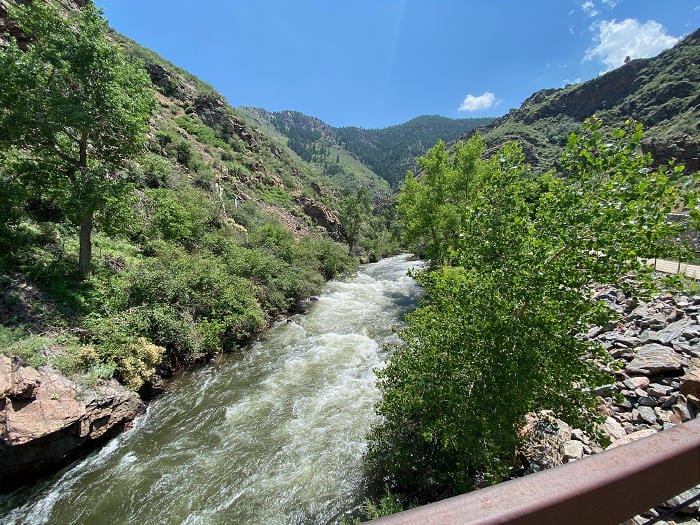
<point x="663" y="93"/>
<point x="230" y="155"/>
<point x="45" y="419"/>
<point x="656" y="347"/>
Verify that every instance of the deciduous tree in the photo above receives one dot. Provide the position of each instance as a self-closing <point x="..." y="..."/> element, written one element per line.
<point x="74" y="107"/>
<point x="515" y="256"/>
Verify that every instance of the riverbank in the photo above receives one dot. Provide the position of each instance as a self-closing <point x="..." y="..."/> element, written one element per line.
<point x="137" y="320"/>
<point x="275" y="434"/>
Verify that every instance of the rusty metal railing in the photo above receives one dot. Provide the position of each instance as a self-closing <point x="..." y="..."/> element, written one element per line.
<point x="606" y="488"/>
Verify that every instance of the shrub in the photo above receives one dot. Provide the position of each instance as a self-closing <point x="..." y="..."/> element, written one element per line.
<point x="136" y="363"/>
<point x="28" y="348"/>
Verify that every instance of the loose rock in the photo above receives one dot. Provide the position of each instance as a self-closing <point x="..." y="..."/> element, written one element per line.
<point x="654" y="359"/>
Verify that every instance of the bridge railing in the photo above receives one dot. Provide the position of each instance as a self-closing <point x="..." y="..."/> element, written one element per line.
<point x="605" y="488"/>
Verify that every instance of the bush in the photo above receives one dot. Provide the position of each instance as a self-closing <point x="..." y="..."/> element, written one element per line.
<point x="156" y="171"/>
<point x="327" y="257"/>
<point x="170" y="219"/>
<point x="190" y="304"/>
<point x="136" y="363"/>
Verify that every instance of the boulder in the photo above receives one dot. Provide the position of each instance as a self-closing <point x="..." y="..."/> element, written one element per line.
<point x="613" y="429"/>
<point x="647" y="414"/>
<point x="672" y="332"/>
<point x="691" y="508"/>
<point x="571" y="450"/>
<point x="46" y="420"/>
<point x="543" y="440"/>
<point x="690" y="383"/>
<point x="637" y="382"/>
<point x="25" y="382"/>
<point x="654" y="359"/>
<point x="657" y="390"/>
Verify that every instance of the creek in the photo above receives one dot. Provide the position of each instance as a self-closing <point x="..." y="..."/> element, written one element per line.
<point x="275" y="434"/>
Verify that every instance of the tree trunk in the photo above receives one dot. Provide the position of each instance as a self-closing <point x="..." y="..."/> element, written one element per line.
<point x="85" y="259"/>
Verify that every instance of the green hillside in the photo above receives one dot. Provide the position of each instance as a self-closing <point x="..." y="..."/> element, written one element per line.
<point x="314" y="144"/>
<point x="391" y="151"/>
<point x="663" y="93"/>
<point x="197" y="237"/>
<point x="352" y="154"/>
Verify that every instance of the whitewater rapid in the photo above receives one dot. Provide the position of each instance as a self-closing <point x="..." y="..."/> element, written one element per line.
<point x="273" y="435"/>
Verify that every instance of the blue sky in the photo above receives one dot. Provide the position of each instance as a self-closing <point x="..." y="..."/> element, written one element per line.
<point x="374" y="63"/>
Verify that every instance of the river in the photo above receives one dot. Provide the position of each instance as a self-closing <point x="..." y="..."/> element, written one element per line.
<point x="273" y="435"/>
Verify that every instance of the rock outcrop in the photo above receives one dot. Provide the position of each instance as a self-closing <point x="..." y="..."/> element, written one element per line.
<point x="662" y="93"/>
<point x="323" y="217"/>
<point x="47" y="420"/>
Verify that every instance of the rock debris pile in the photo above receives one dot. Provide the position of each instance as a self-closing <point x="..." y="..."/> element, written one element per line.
<point x="657" y="348"/>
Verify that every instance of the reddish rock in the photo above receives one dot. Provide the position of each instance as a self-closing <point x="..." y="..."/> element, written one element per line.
<point x="638" y="382"/>
<point x="5" y="377"/>
<point x="47" y="420"/>
<point x="25" y="382"/>
<point x="613" y="429"/>
<point x="634" y="436"/>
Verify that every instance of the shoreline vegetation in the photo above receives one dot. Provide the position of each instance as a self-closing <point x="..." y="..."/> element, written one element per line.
<point x="511" y="291"/>
<point x="146" y="225"/>
<point x="160" y="251"/>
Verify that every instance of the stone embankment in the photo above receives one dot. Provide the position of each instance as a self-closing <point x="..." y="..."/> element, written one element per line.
<point x="656" y="348"/>
<point x="46" y="420"/>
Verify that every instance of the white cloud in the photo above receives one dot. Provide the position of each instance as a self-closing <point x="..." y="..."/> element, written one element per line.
<point x="568" y="81"/>
<point x="472" y="103"/>
<point x="615" y="41"/>
<point x="611" y="3"/>
<point x="589" y="8"/>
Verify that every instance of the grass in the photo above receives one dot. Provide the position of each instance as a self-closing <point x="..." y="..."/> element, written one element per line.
<point x="29" y="348"/>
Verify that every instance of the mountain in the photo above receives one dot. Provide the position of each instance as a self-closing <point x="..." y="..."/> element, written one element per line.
<point x="391" y="151"/>
<point x="663" y="93"/>
<point x="387" y="153"/>
<point x="315" y="144"/>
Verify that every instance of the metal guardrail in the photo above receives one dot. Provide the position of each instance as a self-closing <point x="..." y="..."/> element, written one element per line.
<point x="606" y="488"/>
